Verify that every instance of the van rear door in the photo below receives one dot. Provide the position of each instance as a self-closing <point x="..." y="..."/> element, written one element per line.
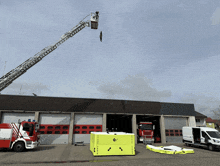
<point x="187" y="134"/>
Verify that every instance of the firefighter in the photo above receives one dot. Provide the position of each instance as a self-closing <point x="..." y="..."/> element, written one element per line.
<point x="100" y="36"/>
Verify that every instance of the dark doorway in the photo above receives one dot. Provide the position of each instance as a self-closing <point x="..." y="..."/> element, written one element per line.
<point x="196" y="135"/>
<point x="155" y="121"/>
<point x="119" y="123"/>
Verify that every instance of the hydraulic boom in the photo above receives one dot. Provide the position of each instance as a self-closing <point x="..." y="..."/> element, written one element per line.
<point x="8" y="78"/>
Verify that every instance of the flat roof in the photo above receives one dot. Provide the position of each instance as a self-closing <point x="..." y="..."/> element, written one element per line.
<point x="66" y="104"/>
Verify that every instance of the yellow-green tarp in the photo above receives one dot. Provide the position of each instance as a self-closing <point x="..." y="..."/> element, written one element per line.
<point x="169" y="149"/>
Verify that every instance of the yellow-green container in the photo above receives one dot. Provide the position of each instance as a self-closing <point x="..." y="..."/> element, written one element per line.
<point x="112" y="143"/>
<point x="212" y="125"/>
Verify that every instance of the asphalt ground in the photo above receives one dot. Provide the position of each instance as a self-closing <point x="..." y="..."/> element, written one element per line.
<point x="66" y="155"/>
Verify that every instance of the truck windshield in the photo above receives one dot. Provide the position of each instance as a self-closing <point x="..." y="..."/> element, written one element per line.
<point x="214" y="134"/>
<point x="146" y="127"/>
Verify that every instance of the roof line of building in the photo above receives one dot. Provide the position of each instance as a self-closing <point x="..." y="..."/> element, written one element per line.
<point x="89" y="98"/>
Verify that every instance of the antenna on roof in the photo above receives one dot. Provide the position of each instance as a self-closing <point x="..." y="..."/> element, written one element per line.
<point x="20" y="90"/>
<point x="34" y="94"/>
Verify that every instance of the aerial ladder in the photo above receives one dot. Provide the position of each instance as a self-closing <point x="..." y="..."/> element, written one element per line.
<point x="8" y="78"/>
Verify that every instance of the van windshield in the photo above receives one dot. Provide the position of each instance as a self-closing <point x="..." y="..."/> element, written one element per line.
<point x="146" y="127"/>
<point x="214" y="134"/>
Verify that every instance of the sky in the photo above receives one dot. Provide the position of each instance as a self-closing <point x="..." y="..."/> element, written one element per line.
<point x="161" y="50"/>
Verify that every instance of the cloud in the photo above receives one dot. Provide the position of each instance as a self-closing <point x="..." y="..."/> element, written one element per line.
<point x="216" y="17"/>
<point x="194" y="77"/>
<point x="136" y="87"/>
<point x="21" y="88"/>
<point x="203" y="103"/>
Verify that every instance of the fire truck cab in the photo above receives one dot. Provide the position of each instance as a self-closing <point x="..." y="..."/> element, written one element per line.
<point x="146" y="132"/>
<point x="19" y="136"/>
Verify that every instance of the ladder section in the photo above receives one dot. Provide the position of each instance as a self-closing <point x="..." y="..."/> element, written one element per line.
<point x="7" y="79"/>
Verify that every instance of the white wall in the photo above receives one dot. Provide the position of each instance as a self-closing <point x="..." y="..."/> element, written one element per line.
<point x="13" y="117"/>
<point x="85" y="119"/>
<point x="201" y="123"/>
<point x="175" y="122"/>
<point x="192" y="121"/>
<point x="47" y="139"/>
<point x="88" y="119"/>
<point x="54" y="119"/>
<point x="62" y="119"/>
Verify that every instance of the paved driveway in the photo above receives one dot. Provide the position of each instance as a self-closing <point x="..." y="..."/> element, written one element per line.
<point x="81" y="155"/>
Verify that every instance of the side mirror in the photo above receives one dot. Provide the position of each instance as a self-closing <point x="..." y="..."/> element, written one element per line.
<point x="36" y="126"/>
<point x="153" y="127"/>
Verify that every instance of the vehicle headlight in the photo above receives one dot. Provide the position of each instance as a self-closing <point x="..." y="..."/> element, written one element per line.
<point x="29" y="142"/>
<point x="217" y="141"/>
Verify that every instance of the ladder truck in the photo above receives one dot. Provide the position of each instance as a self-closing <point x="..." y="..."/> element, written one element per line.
<point x="19" y="136"/>
<point x="8" y="78"/>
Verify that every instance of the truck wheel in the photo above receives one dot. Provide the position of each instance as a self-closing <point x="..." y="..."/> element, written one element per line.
<point x="138" y="139"/>
<point x="211" y="147"/>
<point x="18" y="147"/>
<point x="4" y="149"/>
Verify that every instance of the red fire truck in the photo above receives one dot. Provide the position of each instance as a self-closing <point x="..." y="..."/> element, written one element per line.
<point x="146" y="132"/>
<point x="19" y="136"/>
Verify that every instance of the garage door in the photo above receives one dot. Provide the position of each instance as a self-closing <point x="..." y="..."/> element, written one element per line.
<point x="173" y="129"/>
<point x="84" y="124"/>
<point x="54" y="128"/>
<point x="13" y="117"/>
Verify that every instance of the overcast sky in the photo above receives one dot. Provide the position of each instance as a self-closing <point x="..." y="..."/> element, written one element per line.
<point x="167" y="51"/>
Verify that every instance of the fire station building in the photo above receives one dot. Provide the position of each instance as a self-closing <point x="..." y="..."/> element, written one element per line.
<point x="68" y="120"/>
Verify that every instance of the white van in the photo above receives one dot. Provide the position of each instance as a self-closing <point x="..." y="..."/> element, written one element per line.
<point x="201" y="136"/>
